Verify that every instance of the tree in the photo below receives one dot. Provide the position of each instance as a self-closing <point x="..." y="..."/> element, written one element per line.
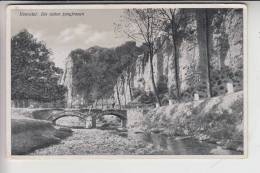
<point x="33" y="75"/>
<point x="127" y="55"/>
<point x="117" y="94"/>
<point x="142" y="25"/>
<point x="82" y="73"/>
<point x="202" y="33"/>
<point x="208" y="56"/>
<point x="172" y="19"/>
<point x="95" y="70"/>
<point x="129" y="79"/>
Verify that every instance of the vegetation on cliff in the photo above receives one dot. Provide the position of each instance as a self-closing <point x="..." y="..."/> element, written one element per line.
<point x="95" y="70"/>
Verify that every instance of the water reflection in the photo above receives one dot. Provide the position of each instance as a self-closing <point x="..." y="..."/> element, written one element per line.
<point x="166" y="145"/>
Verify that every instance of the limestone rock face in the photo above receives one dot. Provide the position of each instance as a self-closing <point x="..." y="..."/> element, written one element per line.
<point x="214" y="37"/>
<point x="234" y="23"/>
<point x="67" y="81"/>
<point x="226" y="39"/>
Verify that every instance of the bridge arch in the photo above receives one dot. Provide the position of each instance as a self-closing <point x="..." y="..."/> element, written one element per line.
<point x="121" y="116"/>
<point x="67" y="115"/>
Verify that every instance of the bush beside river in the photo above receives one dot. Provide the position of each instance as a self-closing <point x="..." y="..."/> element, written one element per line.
<point x="216" y="120"/>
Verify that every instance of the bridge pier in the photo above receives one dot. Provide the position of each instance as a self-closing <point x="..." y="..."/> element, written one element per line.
<point x="123" y="122"/>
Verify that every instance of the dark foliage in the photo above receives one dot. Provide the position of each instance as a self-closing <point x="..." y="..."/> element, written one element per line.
<point x="96" y="69"/>
<point x="33" y="75"/>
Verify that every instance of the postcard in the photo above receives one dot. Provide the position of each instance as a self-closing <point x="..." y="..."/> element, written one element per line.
<point x="138" y="81"/>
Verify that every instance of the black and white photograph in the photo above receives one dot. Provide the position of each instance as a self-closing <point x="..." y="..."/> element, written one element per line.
<point x="127" y="80"/>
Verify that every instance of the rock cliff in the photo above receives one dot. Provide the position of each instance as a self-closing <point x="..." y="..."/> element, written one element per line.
<point x="66" y="80"/>
<point x="213" y="43"/>
<point x="210" y="57"/>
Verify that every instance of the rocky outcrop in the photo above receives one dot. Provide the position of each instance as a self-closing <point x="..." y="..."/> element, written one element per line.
<point x="67" y="81"/>
<point x="210" y="56"/>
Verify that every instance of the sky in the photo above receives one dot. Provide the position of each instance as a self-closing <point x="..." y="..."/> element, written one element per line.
<point x="65" y="33"/>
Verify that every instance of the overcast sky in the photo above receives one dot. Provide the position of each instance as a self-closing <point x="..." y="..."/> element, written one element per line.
<point x="65" y="33"/>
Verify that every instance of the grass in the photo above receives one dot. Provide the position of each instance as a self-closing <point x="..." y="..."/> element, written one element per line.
<point x="29" y="134"/>
<point x="23" y="125"/>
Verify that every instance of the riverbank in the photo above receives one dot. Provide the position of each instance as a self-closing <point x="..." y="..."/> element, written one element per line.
<point x="217" y="120"/>
<point x="29" y="135"/>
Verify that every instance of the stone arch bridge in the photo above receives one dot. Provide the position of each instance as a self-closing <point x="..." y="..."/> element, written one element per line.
<point x="55" y="114"/>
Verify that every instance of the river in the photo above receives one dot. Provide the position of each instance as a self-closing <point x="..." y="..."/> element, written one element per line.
<point x="114" y="142"/>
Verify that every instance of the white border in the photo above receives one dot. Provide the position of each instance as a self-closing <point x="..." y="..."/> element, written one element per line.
<point x="125" y="6"/>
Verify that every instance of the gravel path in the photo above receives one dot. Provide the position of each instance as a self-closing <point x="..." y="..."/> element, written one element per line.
<point x="95" y="142"/>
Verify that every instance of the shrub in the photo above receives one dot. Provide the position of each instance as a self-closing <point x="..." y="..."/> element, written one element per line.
<point x="137" y="92"/>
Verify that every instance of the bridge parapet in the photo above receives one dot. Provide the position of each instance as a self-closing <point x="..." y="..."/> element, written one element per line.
<point x="65" y="113"/>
